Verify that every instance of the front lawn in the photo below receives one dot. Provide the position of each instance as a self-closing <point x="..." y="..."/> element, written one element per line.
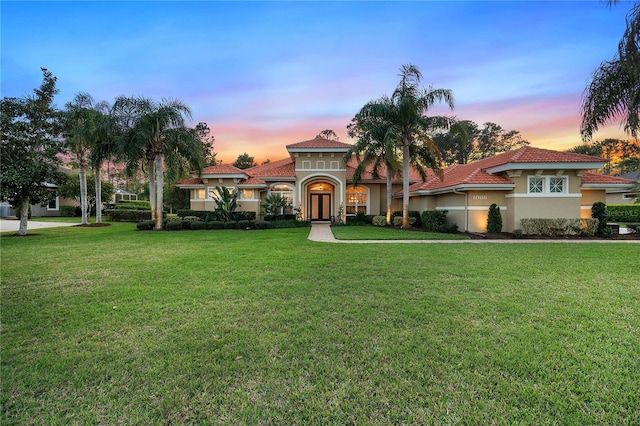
<point x="383" y="233"/>
<point x="117" y="326"/>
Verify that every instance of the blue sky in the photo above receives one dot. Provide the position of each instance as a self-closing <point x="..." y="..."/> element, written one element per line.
<point x="266" y="74"/>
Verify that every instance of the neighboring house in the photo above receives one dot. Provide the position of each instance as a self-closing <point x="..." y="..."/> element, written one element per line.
<point x="52" y="208"/>
<point x="123" y="195"/>
<point x="526" y="183"/>
<point x="623" y="196"/>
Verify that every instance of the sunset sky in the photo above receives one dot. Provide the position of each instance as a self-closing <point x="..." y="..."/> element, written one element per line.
<point x="266" y="74"/>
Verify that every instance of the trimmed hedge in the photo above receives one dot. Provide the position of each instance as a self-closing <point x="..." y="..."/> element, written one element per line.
<point x="623" y="212"/>
<point x="173" y="225"/>
<point x="128" y="215"/>
<point x="147" y="225"/>
<point x="559" y="227"/>
<point x="397" y="220"/>
<point x="206" y="215"/>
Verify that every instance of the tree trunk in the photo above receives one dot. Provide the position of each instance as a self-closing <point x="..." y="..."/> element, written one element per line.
<point x="24" y="217"/>
<point x="82" y="175"/>
<point x="152" y="188"/>
<point x="158" y="206"/>
<point x="389" y="196"/>
<point x="405" y="186"/>
<point x="98" y="179"/>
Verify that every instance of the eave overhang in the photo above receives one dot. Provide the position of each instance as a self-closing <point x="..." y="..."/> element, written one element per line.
<point x="544" y="166"/>
<point x="463" y="187"/>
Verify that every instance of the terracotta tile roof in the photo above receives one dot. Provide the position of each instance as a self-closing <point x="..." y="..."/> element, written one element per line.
<point x="530" y="154"/>
<point x="191" y="181"/>
<point x="223" y="169"/>
<point x="597" y="178"/>
<point x="281" y="168"/>
<point x="352" y="164"/>
<point x="319" y="143"/>
<point x="252" y="181"/>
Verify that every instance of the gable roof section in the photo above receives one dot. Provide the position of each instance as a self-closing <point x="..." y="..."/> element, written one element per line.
<point x="319" y="145"/>
<point x="221" y="169"/>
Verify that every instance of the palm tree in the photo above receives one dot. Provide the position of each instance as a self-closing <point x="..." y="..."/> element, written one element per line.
<point x="411" y="127"/>
<point x="80" y="124"/>
<point x="374" y="148"/>
<point x="614" y="90"/>
<point x="156" y="134"/>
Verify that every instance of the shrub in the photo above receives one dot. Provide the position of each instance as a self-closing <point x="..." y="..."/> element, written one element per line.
<point x="67" y="211"/>
<point x="559" y="226"/>
<point x="411" y="213"/>
<point x="146" y="225"/>
<point x="517" y="233"/>
<point x="128" y="215"/>
<point x="494" y="220"/>
<point x="397" y="220"/>
<point x="435" y="220"/>
<point x="215" y="224"/>
<point x="244" y="224"/>
<point x="232" y="224"/>
<point x="359" y="219"/>
<point x="623" y="212"/>
<point x="262" y="224"/>
<point x="174" y="225"/>
<point x="186" y="224"/>
<point x="599" y="211"/>
<point x="133" y="205"/>
<point x="379" y="221"/>
<point x="198" y="225"/>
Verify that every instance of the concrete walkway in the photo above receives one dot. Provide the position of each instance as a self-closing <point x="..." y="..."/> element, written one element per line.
<point x="321" y="232"/>
<point x="12" y="225"/>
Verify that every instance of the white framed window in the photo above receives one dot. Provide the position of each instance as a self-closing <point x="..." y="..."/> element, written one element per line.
<point x="357" y="197"/>
<point x="213" y="191"/>
<point x="286" y="192"/>
<point x="547" y="185"/>
<point x="247" y="194"/>
<point x="53" y="204"/>
<point x="200" y="194"/>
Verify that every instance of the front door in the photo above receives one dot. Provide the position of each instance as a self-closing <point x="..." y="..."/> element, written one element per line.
<point x="320" y="206"/>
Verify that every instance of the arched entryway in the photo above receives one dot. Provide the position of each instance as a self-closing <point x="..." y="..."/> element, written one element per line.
<point x="320" y="196"/>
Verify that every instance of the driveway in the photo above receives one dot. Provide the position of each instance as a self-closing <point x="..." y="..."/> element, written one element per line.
<point x="12" y="225"/>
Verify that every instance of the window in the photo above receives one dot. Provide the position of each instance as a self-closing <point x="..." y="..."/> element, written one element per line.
<point x="546" y="185"/>
<point x="200" y="194"/>
<point x="556" y="185"/>
<point x="536" y="185"/>
<point x="356" y="200"/>
<point x="286" y="192"/>
<point x="53" y="204"/>
<point x="247" y="194"/>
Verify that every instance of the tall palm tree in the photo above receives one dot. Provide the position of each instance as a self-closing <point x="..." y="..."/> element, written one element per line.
<point x="614" y="91"/>
<point x="155" y="134"/>
<point x="80" y="124"/>
<point x="411" y="128"/>
<point x="374" y="149"/>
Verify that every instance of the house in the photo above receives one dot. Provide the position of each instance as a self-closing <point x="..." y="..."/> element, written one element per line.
<point x="623" y="196"/>
<point x="52" y="208"/>
<point x="526" y="183"/>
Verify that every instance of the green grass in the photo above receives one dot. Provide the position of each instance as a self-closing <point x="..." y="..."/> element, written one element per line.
<point x="382" y="233"/>
<point x="116" y="326"/>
